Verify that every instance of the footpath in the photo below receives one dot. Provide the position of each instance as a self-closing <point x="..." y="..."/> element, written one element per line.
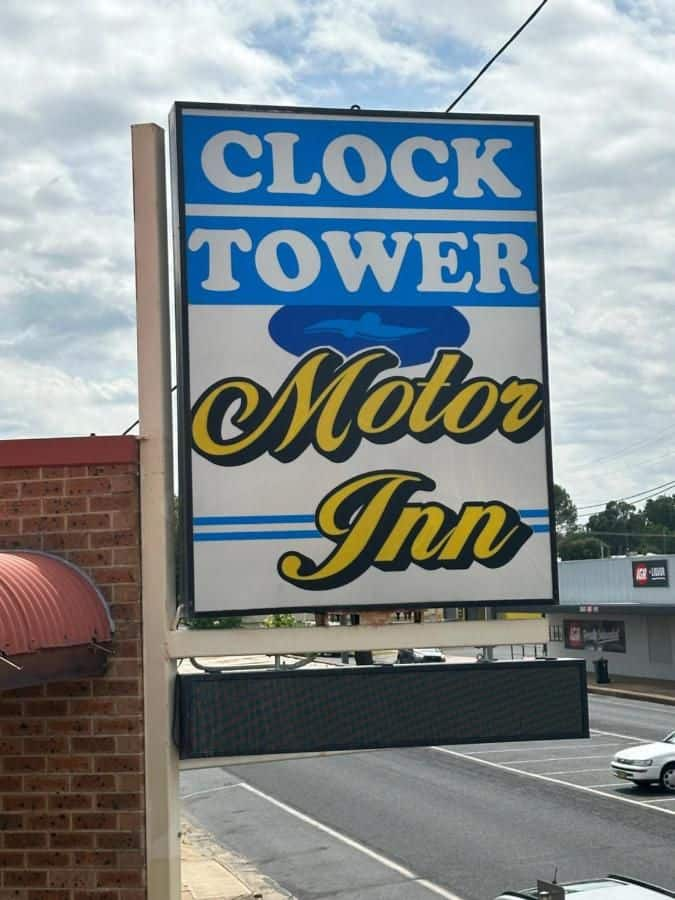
<point x="210" y="872"/>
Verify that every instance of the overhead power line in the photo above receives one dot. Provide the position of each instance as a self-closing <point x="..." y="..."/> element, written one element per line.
<point x="497" y="54"/>
<point x="648" y="490"/>
<point x="134" y="424"/>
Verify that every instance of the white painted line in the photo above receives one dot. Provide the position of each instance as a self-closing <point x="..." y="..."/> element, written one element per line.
<point x="660" y="800"/>
<point x="272" y="211"/>
<point x="612" y="784"/>
<point x="224" y="787"/>
<point x="355" y="845"/>
<point x="518" y="762"/>
<point x="572" y="771"/>
<point x="539" y="777"/>
<point x="533" y="749"/>
<point x="625" y="737"/>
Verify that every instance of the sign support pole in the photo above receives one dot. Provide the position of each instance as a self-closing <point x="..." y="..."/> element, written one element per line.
<point x="157" y="566"/>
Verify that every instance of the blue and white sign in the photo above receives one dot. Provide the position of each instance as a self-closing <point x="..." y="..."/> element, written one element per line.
<point x="362" y="346"/>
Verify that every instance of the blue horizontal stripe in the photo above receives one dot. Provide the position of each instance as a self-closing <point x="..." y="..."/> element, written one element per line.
<point x="253" y="535"/>
<point x="543" y="528"/>
<point x="249" y="520"/>
<point x="533" y="513"/>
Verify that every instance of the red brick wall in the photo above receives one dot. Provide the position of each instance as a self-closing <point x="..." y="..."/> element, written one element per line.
<point x="71" y="753"/>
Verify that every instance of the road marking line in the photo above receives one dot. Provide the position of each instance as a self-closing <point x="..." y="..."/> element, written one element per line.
<point x="625" y="737"/>
<point x="660" y="800"/>
<point x="569" y="784"/>
<point x="215" y="790"/>
<point x="572" y="771"/>
<point x="613" y="784"/>
<point x="551" y="759"/>
<point x="355" y="845"/>
<point x="532" y="749"/>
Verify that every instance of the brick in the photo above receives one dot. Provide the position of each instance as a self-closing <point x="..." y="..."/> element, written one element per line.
<point x="69" y="764"/>
<point x="48" y="745"/>
<point x="129" y="743"/>
<point x="87" y="487"/>
<point x="24" y="802"/>
<point x="24" y="878"/>
<point x="120" y="725"/>
<point x="120" y="840"/>
<point x="72" y="878"/>
<point x="70" y="802"/>
<point x="125" y="612"/>
<point x="33" y="524"/>
<point x="19" y="473"/>
<point x="69" y="726"/>
<point x="124" y="668"/>
<point x="11" y="821"/>
<point x="8" y="708"/>
<point x="41" y="488"/>
<point x="88" y="521"/>
<point x="11" y="745"/>
<point x="91" y="558"/>
<point x="112" y="469"/>
<point x="128" y="593"/>
<point x="122" y="520"/>
<point x="94" y="782"/>
<point x="11" y="727"/>
<point x="96" y="859"/>
<point x="48" y="822"/>
<point x="116" y="687"/>
<point x="122" y="484"/>
<point x="122" y="763"/>
<point x="26" y="840"/>
<point x="22" y="542"/>
<point x="117" y="575"/>
<point x="92" y="706"/>
<point x="45" y="784"/>
<point x="77" y="540"/>
<point x="112" y="502"/>
<point x="48" y="859"/>
<point x="131" y="859"/>
<point x="20" y="507"/>
<point x="10" y="783"/>
<point x="119" y="878"/>
<point x="131" y="783"/>
<point x="123" y="649"/>
<point x="131" y="821"/>
<point x="118" y="801"/>
<point x="53" y="472"/>
<point x="10" y="526"/>
<point x="16" y="764"/>
<point x="93" y="744"/>
<point x="11" y="860"/>
<point x="70" y="689"/>
<point x="97" y="895"/>
<point x="45" y="708"/>
<point x="76" y="471"/>
<point x="36" y="690"/>
<point x="64" y="505"/>
<point x="95" y="821"/>
<point x="71" y="840"/>
<point x="8" y="491"/>
<point x="129" y="706"/>
<point x="124" y="538"/>
<point x="46" y="894"/>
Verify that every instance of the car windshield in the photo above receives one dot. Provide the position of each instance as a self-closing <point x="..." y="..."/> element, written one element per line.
<point x="669" y="738"/>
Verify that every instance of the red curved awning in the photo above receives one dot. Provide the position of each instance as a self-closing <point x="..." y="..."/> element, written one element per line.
<point x="53" y="620"/>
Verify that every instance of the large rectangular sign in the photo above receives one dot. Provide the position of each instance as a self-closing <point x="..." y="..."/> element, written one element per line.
<point x="650" y="573"/>
<point x="362" y="359"/>
<point x="366" y="707"/>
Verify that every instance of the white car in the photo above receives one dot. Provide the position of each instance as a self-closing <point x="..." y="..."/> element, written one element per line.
<point x="648" y="763"/>
<point x="612" y="887"/>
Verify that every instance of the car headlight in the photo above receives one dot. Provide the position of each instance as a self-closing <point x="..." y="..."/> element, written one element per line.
<point x="636" y="762"/>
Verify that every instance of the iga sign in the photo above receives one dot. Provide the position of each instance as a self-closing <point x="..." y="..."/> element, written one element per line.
<point x="650" y="573"/>
<point x="362" y="354"/>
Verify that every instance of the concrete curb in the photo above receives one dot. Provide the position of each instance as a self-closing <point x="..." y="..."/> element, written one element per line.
<point x="211" y="872"/>
<point x="631" y="695"/>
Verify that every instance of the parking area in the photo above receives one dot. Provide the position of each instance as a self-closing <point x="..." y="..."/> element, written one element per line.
<point x="583" y="765"/>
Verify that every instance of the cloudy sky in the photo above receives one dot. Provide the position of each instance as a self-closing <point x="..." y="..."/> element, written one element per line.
<point x="600" y="73"/>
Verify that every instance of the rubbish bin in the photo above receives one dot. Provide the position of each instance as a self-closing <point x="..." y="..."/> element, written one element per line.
<point x="601" y="671"/>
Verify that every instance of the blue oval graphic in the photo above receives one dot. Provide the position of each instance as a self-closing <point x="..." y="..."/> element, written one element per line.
<point x="414" y="333"/>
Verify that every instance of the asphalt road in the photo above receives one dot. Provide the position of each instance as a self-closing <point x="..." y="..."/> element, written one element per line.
<point x="457" y="822"/>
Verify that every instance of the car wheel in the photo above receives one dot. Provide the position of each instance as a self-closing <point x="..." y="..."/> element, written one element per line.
<point x="668" y="777"/>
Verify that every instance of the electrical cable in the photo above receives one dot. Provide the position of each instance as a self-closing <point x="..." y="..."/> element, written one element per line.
<point x="134" y="424"/>
<point x="497" y="54"/>
<point x="655" y="488"/>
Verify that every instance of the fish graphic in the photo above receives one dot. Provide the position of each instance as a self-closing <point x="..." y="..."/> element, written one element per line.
<point x="370" y="325"/>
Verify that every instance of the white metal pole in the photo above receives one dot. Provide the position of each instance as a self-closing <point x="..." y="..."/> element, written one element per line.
<point x="157" y="565"/>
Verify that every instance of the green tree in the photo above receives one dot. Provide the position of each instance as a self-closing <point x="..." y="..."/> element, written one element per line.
<point x="621" y="526"/>
<point x="580" y="546"/>
<point x="281" y="620"/>
<point x="565" y="512"/>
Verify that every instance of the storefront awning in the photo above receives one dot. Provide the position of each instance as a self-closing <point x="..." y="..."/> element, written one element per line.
<point x="54" y="622"/>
